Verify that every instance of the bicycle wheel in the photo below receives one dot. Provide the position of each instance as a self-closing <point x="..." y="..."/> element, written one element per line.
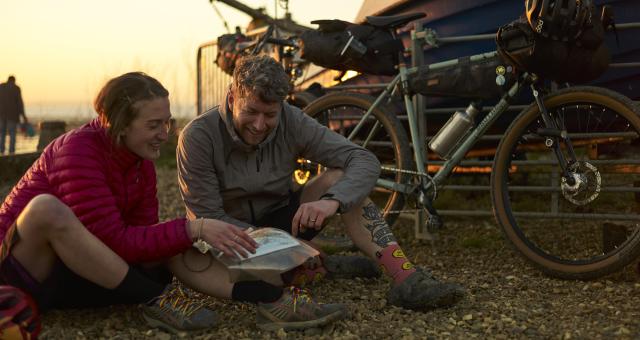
<point x="301" y="99"/>
<point x="582" y="230"/>
<point x="341" y="112"/>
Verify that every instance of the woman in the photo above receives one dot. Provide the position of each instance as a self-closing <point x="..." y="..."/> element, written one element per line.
<point x="81" y="226"/>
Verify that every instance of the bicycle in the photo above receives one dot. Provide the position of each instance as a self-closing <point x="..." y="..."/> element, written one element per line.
<point x="574" y="150"/>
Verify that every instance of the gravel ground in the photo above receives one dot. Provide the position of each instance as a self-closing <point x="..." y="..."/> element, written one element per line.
<point x="506" y="298"/>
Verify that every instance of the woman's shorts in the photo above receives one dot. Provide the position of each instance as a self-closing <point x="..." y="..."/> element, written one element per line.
<point x="63" y="288"/>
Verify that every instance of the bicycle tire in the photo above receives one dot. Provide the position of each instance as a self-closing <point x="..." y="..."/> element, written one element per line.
<point x="340" y="104"/>
<point x="589" y="209"/>
<point x="301" y="99"/>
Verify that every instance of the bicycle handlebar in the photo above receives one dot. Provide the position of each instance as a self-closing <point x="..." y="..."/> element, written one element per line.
<point x="282" y="42"/>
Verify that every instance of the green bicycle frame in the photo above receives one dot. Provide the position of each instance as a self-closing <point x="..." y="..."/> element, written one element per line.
<point x="460" y="150"/>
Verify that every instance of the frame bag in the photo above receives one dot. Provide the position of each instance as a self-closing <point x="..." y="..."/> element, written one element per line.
<point x="484" y="78"/>
<point x="341" y="45"/>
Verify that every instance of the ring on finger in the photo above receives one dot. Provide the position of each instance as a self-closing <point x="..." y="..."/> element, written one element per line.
<point x="235" y="239"/>
<point x="312" y="220"/>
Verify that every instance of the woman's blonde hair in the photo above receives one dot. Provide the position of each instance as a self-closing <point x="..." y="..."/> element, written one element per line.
<point x="115" y="103"/>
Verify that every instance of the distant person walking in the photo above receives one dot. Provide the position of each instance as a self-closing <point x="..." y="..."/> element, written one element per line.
<point x="11" y="108"/>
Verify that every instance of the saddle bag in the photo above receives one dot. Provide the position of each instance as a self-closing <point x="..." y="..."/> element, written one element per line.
<point x="228" y="51"/>
<point x="341" y="45"/>
<point x="578" y="61"/>
<point x="484" y="78"/>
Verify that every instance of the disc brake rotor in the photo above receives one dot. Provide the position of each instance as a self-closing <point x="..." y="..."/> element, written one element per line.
<point x="587" y="183"/>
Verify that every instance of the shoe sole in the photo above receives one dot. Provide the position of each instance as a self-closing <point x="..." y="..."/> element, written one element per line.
<point x="299" y="325"/>
<point x="159" y="324"/>
<point x="446" y="298"/>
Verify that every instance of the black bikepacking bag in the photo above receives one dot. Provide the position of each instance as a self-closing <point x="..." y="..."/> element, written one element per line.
<point x="229" y="51"/>
<point x="577" y="61"/>
<point x="341" y="45"/>
<point x="484" y="78"/>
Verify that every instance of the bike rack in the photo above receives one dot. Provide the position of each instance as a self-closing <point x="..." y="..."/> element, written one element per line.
<point x="422" y="38"/>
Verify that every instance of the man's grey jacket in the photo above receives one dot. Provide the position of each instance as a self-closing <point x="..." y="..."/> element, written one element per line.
<point x="222" y="177"/>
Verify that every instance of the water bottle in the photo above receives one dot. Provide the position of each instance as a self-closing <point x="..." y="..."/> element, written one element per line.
<point x="453" y="130"/>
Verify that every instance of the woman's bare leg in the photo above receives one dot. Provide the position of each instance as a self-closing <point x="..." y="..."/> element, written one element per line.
<point x="213" y="281"/>
<point x="49" y="230"/>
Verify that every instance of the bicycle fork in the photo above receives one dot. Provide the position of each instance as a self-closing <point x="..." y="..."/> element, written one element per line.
<point x="553" y="135"/>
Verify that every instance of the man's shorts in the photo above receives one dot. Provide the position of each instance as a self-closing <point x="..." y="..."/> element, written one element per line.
<point x="281" y="218"/>
<point x="63" y="288"/>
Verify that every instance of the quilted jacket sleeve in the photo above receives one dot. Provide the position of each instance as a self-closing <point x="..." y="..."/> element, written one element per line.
<point x="78" y="174"/>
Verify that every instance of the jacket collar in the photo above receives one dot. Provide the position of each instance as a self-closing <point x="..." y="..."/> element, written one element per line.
<point x="227" y="117"/>
<point x="119" y="155"/>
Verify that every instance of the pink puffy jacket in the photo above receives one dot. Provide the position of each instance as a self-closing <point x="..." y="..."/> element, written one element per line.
<point x="110" y="189"/>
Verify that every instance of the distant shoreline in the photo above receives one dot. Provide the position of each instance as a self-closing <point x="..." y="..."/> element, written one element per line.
<point x="84" y="111"/>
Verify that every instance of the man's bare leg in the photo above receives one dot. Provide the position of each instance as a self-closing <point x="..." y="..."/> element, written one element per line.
<point x="365" y="226"/>
<point x="412" y="289"/>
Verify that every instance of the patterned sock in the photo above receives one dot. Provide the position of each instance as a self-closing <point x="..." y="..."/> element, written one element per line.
<point x="394" y="263"/>
<point x="301" y="276"/>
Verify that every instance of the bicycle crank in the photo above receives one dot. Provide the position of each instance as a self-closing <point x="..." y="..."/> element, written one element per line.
<point x="586" y="186"/>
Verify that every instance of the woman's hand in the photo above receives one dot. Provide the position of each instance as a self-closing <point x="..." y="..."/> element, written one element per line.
<point x="224" y="236"/>
<point x="313" y="214"/>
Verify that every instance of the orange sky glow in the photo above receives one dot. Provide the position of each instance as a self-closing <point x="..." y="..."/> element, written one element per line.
<point x="62" y="51"/>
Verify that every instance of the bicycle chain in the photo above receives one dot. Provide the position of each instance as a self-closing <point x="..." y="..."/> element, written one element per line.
<point x="402" y="171"/>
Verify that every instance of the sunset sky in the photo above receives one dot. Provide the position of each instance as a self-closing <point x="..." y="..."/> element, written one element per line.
<point x="61" y="52"/>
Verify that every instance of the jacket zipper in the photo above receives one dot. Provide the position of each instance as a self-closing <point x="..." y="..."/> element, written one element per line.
<point x="253" y="215"/>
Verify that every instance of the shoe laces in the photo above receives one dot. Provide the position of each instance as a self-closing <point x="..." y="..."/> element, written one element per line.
<point x="301" y="295"/>
<point x="180" y="302"/>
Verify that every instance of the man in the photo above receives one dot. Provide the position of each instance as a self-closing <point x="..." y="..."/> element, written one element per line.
<point x="235" y="164"/>
<point x="11" y="109"/>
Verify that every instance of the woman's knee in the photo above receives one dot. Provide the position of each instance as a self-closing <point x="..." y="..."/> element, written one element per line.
<point x="47" y="210"/>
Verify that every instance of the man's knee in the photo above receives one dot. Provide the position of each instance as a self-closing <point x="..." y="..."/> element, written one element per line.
<point x="47" y="211"/>
<point x="320" y="184"/>
<point x="329" y="177"/>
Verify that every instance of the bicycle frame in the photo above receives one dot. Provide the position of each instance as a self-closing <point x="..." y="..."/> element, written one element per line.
<point x="419" y="156"/>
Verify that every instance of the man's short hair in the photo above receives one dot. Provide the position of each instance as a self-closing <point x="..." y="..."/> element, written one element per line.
<point x="11" y="79"/>
<point x="262" y="76"/>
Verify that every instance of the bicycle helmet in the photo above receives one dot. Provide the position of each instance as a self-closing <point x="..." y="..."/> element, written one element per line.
<point x="19" y="317"/>
<point x="559" y="19"/>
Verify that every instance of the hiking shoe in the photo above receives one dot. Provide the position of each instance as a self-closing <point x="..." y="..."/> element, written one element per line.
<point x="421" y="291"/>
<point x="296" y="310"/>
<point x="177" y="312"/>
<point x="349" y="267"/>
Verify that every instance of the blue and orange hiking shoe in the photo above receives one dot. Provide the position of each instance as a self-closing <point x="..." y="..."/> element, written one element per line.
<point x="175" y="311"/>
<point x="296" y="310"/>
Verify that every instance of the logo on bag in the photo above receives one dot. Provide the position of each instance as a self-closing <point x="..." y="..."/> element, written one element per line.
<point x="539" y="26"/>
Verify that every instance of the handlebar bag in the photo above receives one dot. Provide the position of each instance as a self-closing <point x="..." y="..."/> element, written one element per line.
<point x="578" y="61"/>
<point x="484" y="78"/>
<point x="341" y="45"/>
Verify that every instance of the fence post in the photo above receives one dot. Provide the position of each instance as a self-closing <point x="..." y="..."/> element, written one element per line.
<point x="49" y="130"/>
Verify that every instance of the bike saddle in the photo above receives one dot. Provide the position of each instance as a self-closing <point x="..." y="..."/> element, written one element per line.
<point x="394" y="21"/>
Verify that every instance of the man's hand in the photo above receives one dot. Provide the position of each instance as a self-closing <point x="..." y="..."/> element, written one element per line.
<point x="224" y="236"/>
<point x="313" y="214"/>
